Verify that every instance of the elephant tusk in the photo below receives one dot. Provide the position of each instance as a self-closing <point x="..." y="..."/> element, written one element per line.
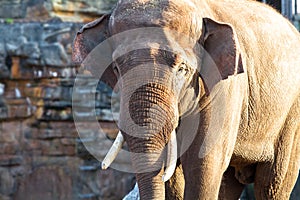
<point x="113" y="151"/>
<point x="171" y="158"/>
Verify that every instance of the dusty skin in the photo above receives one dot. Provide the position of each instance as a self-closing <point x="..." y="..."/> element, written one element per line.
<point x="225" y="75"/>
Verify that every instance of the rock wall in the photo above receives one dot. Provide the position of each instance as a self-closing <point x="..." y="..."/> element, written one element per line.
<point x="42" y="156"/>
<point x="67" y="10"/>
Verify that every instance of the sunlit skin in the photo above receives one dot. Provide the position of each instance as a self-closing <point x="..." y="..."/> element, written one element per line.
<point x="224" y="75"/>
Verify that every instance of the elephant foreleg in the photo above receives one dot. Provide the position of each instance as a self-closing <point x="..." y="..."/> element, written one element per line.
<point x="205" y="161"/>
<point x="203" y="177"/>
<point x="175" y="186"/>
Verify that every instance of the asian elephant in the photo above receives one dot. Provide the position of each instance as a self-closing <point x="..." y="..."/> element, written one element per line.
<point x="210" y="95"/>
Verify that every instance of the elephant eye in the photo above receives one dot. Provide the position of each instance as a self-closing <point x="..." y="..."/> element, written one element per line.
<point x="182" y="69"/>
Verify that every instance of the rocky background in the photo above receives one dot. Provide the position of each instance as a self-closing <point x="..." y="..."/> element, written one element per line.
<point x="42" y="156"/>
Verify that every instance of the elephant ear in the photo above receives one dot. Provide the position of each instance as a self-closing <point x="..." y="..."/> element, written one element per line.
<point x="86" y="50"/>
<point x="222" y="56"/>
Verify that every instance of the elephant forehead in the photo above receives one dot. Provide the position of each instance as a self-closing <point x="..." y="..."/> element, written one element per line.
<point x="176" y="15"/>
<point x="129" y="57"/>
<point x="154" y="49"/>
<point x="155" y="40"/>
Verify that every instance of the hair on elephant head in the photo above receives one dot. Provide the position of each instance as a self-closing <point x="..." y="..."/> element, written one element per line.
<point x="189" y="78"/>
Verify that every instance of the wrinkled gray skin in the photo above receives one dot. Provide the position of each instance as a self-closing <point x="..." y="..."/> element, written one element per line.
<point x="246" y="118"/>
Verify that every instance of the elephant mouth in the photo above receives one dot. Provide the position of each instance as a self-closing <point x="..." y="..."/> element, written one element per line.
<point x="171" y="154"/>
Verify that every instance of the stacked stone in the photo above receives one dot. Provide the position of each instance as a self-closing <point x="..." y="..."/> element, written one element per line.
<point x="80" y="8"/>
<point x="38" y="136"/>
<point x="30" y="54"/>
<point x="37" y="72"/>
<point x="68" y="10"/>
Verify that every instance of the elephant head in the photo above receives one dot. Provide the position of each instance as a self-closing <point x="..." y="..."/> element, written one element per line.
<point x="164" y="66"/>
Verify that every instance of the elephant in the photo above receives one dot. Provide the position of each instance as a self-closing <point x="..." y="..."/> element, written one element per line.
<point x="209" y="95"/>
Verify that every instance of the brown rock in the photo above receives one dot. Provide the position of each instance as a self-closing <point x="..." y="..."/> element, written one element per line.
<point x="47" y="183"/>
<point x="52" y="148"/>
<point x="11" y="148"/>
<point x="33" y="145"/>
<point x="69" y="150"/>
<point x="68" y="141"/>
<point x="10" y="131"/>
<point x="37" y="12"/>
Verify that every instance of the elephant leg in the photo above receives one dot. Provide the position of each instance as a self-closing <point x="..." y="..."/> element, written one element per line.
<point x="276" y="179"/>
<point x="175" y="186"/>
<point x="231" y="188"/>
<point x="203" y="177"/>
<point x="203" y="172"/>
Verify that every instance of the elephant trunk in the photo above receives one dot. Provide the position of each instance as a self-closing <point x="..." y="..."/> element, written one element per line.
<point x="149" y="177"/>
<point x="147" y="119"/>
